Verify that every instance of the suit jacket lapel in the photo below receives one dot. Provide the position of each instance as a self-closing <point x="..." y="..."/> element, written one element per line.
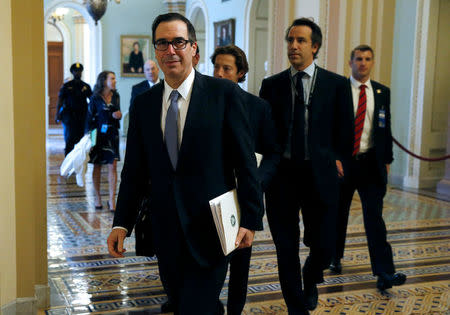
<point x="198" y="98"/>
<point x="286" y="90"/>
<point x="155" y="108"/>
<point x="352" y="110"/>
<point x="319" y="89"/>
<point x="378" y="100"/>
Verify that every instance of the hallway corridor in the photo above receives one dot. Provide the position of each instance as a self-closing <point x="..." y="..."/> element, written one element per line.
<point x="85" y="279"/>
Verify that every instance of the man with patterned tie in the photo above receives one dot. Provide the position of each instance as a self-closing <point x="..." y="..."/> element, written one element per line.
<point x="190" y="139"/>
<point x="306" y="101"/>
<point x="368" y="143"/>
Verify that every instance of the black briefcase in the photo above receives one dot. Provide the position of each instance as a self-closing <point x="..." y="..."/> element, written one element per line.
<point x="142" y="230"/>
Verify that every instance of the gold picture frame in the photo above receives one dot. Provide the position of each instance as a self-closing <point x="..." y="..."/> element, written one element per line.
<point x="224" y="32"/>
<point x="132" y="63"/>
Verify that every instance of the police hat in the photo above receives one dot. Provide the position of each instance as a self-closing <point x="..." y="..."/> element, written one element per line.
<point x="76" y="67"/>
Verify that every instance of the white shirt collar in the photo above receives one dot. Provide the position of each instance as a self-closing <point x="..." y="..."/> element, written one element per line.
<point x="183" y="89"/>
<point x="357" y="84"/>
<point x="309" y="70"/>
<point x="151" y="83"/>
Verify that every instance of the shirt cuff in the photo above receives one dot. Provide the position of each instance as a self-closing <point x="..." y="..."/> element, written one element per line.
<point x="120" y="227"/>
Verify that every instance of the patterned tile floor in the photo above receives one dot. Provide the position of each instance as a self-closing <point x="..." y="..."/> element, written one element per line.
<point x="84" y="279"/>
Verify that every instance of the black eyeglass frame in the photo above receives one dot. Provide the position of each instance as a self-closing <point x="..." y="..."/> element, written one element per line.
<point x="167" y="43"/>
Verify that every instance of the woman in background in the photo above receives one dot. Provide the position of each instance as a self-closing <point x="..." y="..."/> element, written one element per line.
<point x="104" y="115"/>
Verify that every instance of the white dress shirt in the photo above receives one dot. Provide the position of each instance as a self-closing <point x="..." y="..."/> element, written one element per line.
<point x="307" y="78"/>
<point x="366" y="137"/>
<point x="150" y="83"/>
<point x="185" y="90"/>
<point x="307" y="81"/>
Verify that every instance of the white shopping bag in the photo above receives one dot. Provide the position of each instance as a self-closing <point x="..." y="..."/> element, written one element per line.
<point x="76" y="161"/>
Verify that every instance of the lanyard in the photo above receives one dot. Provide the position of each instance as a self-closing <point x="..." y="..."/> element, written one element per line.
<point x="311" y="89"/>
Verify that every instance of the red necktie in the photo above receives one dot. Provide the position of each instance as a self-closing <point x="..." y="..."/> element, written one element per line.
<point x="359" y="119"/>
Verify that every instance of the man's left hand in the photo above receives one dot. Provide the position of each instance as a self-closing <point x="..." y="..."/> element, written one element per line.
<point x="388" y="168"/>
<point x="244" y="238"/>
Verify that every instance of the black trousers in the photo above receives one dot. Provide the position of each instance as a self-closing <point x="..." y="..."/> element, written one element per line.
<point x="191" y="288"/>
<point x="73" y="132"/>
<point x="237" y="285"/>
<point x="293" y="189"/>
<point x="363" y="175"/>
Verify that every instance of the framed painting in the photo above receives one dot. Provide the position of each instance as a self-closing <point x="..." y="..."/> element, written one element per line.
<point x="224" y="32"/>
<point x="134" y="51"/>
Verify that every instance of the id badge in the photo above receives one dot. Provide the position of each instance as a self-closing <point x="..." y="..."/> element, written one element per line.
<point x="382" y="118"/>
<point x="104" y="128"/>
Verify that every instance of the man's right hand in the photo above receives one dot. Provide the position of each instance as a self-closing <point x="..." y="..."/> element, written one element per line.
<point x="115" y="243"/>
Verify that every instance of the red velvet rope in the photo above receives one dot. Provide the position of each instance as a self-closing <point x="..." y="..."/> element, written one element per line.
<point x="418" y="156"/>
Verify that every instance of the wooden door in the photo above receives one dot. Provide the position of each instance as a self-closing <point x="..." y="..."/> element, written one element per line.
<point x="55" y="76"/>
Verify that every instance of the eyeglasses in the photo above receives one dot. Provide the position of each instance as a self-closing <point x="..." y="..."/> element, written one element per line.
<point x="177" y="44"/>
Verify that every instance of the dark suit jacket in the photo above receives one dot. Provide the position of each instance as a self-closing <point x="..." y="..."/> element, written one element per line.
<point x="216" y="146"/>
<point x="381" y="136"/>
<point x="264" y="135"/>
<point x="139" y="88"/>
<point x="328" y="98"/>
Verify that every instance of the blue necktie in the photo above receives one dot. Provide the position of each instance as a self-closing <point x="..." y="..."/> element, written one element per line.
<point x="171" y="129"/>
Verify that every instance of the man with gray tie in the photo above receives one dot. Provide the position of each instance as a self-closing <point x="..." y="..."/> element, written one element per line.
<point x="189" y="138"/>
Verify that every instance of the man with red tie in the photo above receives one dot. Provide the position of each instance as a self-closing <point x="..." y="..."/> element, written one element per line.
<point x="368" y="147"/>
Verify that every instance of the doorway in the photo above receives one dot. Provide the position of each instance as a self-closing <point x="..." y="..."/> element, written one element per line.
<point x="258" y="52"/>
<point x="55" y="77"/>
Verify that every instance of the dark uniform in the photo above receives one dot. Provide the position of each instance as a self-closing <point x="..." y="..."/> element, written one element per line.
<point x="72" y="110"/>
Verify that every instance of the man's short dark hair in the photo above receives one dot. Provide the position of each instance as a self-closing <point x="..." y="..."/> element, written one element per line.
<point x="239" y="56"/>
<point x="361" y="48"/>
<point x="168" y="17"/>
<point x="316" y="33"/>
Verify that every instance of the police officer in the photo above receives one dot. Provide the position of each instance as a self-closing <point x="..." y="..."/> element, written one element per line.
<point x="72" y="107"/>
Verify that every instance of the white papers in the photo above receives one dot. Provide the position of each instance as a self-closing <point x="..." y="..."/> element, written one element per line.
<point x="227" y="217"/>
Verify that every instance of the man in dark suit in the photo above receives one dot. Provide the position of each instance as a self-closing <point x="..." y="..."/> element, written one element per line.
<point x="231" y="63"/>
<point x="366" y="161"/>
<point x="306" y="102"/>
<point x="190" y="138"/>
<point x="151" y="72"/>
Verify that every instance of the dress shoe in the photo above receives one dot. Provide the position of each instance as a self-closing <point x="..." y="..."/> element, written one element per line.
<point x="167" y="307"/>
<point x="311" y="296"/>
<point x="336" y="266"/>
<point x="386" y="281"/>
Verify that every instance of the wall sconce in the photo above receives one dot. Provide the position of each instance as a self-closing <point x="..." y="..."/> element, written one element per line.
<point x="58" y="15"/>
